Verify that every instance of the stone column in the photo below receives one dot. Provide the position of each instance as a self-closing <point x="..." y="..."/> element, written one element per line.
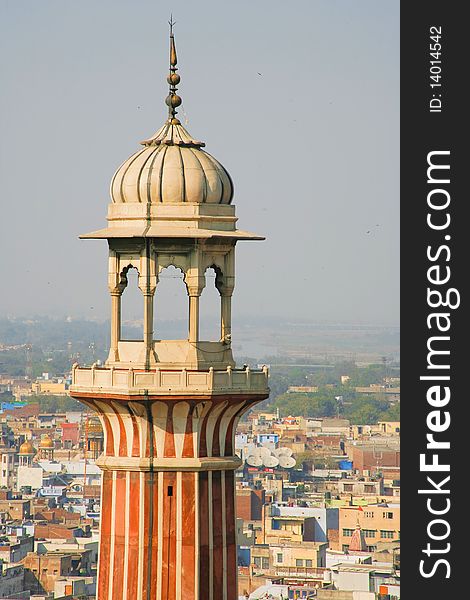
<point x="225" y="315"/>
<point x="115" y="325"/>
<point x="148" y="285"/>
<point x="117" y="283"/>
<point x="194" y="318"/>
<point x="148" y="320"/>
<point x="225" y="284"/>
<point x="195" y="282"/>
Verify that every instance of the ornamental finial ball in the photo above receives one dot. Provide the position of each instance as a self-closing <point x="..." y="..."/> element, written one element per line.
<point x="173" y="100"/>
<point x="173" y="78"/>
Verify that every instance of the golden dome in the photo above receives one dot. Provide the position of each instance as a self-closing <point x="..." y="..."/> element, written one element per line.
<point x="27" y="448"/>
<point x="46" y="442"/>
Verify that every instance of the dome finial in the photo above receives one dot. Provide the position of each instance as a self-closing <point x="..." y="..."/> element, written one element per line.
<point x="173" y="100"/>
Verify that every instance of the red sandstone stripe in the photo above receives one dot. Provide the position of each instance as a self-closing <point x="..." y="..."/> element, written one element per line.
<point x="218" y="581"/>
<point x="230" y="535"/>
<point x="109" y="430"/>
<point x="203" y="536"/>
<point x="188" y="446"/>
<point x="149" y="483"/>
<point x="105" y="535"/>
<point x="188" y="527"/>
<point x="138" y="415"/>
<point x="122" y="432"/>
<point x="154" y="533"/>
<point x="169" y="448"/>
<point x="228" y="450"/>
<point x="90" y="404"/>
<point x="109" y="435"/>
<point x="169" y="537"/>
<point x="119" y="535"/>
<point x="133" y="552"/>
<point x="203" y="434"/>
<point x="135" y="437"/>
<point x="215" y="437"/>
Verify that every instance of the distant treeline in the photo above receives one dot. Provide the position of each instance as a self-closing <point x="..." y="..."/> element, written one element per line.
<point x="358" y="408"/>
<point x="56" y="404"/>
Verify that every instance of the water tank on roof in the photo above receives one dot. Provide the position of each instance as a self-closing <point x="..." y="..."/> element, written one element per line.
<point x="345" y="465"/>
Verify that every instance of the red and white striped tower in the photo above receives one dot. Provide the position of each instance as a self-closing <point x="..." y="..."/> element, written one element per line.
<point x="169" y="408"/>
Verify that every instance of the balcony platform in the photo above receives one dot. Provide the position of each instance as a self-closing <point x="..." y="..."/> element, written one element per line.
<point x="108" y="380"/>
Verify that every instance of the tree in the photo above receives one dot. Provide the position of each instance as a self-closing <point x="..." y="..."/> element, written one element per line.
<point x="56" y="404"/>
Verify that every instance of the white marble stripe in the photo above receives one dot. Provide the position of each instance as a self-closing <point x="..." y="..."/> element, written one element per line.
<point x="159" y="414"/>
<point x="142" y="425"/>
<point x="113" y="537"/>
<point x="126" y="536"/>
<point x="128" y="426"/>
<point x="179" y="532"/>
<point x="198" y="422"/>
<point x="160" y="537"/>
<point x="114" y="422"/>
<point x="105" y="432"/>
<point x="211" y="423"/>
<point x="105" y="421"/>
<point x="211" y="536"/>
<point x="140" y="567"/>
<point x="180" y="420"/>
<point x="224" y="537"/>
<point x="196" y="535"/>
<point x="224" y="424"/>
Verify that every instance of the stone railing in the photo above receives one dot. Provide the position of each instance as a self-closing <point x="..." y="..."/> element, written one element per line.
<point x="165" y="381"/>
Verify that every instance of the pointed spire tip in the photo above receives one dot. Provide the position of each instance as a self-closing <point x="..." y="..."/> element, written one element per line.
<point x="173" y="100"/>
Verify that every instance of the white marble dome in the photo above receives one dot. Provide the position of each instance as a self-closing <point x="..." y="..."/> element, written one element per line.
<point x="172" y="168"/>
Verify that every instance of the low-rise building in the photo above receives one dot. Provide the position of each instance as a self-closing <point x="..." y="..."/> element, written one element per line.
<point x="361" y="487"/>
<point x="11" y="580"/>
<point x="43" y="570"/>
<point x="16" y="508"/>
<point x="325" y="520"/>
<point x="250" y="503"/>
<point x="379" y="523"/>
<point x="370" y="458"/>
<point x="7" y="467"/>
<point x="13" y="549"/>
<point x="287" y="559"/>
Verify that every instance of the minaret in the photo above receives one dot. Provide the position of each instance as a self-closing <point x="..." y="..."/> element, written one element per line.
<point x="26" y="454"/>
<point x="169" y="408"/>
<point x="46" y="448"/>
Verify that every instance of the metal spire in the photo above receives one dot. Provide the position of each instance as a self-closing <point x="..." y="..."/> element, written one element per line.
<point x="173" y="100"/>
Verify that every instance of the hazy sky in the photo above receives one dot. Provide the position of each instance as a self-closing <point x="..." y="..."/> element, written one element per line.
<point x="298" y="100"/>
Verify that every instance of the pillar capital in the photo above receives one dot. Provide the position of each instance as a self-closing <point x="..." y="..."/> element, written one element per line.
<point x="226" y="288"/>
<point x="148" y="285"/>
<point x="115" y="291"/>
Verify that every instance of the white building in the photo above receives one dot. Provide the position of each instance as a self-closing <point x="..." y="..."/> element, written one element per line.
<point x="7" y="467"/>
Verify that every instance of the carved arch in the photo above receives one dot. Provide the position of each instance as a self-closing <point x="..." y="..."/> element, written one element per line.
<point x="219" y="276"/>
<point x="179" y="261"/>
<point x="123" y="281"/>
